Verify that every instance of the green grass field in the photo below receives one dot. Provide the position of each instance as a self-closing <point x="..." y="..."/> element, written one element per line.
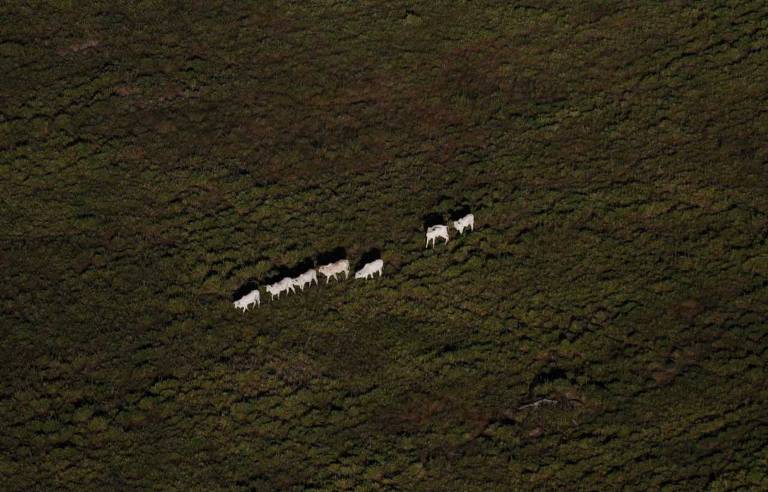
<point x="157" y="156"/>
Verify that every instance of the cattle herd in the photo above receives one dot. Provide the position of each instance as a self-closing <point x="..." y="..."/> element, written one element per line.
<point x="330" y="270"/>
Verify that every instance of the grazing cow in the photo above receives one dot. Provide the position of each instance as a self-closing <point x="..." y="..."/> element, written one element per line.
<point x="287" y="284"/>
<point x="437" y="231"/>
<point x="464" y="222"/>
<point x="332" y="269"/>
<point x="274" y="290"/>
<point x="305" y="278"/>
<point x="370" y="268"/>
<point x="279" y="287"/>
<point x="250" y="298"/>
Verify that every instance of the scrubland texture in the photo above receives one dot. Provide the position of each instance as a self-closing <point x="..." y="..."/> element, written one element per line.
<point x="157" y="156"/>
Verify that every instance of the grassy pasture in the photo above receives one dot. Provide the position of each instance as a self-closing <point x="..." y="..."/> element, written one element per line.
<point x="157" y="156"/>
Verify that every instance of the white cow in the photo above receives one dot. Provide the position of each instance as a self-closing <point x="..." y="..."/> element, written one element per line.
<point x="370" y="268"/>
<point x="464" y="222"/>
<point x="332" y="269"/>
<point x="279" y="287"/>
<point x="305" y="278"/>
<point x="253" y="297"/>
<point x="274" y="290"/>
<point x="287" y="284"/>
<point x="437" y="231"/>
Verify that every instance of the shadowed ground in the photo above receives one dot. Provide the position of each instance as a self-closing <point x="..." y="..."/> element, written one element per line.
<point x="154" y="160"/>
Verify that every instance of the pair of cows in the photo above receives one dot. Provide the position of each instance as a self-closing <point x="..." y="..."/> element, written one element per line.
<point x="441" y="230"/>
<point x="330" y="270"/>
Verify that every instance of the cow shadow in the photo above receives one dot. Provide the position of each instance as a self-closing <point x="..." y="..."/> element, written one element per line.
<point x="330" y="256"/>
<point x="432" y="219"/>
<point x="302" y="266"/>
<point x="244" y="289"/>
<point x="459" y="211"/>
<point x="367" y="257"/>
<point x="278" y="273"/>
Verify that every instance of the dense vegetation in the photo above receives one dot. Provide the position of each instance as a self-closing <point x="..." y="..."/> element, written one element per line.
<point x="156" y="157"/>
